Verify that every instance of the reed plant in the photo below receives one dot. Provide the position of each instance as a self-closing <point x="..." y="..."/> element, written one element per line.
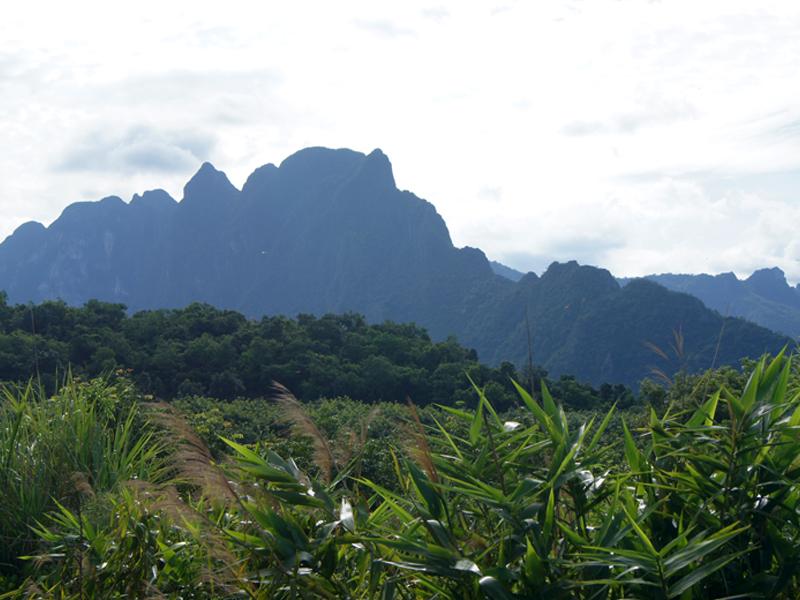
<point x="67" y="449"/>
<point x="699" y="501"/>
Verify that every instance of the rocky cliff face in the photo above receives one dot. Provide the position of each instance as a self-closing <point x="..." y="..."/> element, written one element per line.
<point x="328" y="231"/>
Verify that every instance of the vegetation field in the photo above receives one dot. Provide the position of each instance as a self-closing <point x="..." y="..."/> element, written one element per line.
<point x="108" y="494"/>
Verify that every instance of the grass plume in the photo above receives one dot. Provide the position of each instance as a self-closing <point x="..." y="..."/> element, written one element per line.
<point x="297" y="416"/>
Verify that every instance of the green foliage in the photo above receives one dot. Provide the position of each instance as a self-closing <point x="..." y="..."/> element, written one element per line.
<point x="697" y="498"/>
<point x="81" y="443"/>
<point x="203" y="351"/>
<point x="135" y="553"/>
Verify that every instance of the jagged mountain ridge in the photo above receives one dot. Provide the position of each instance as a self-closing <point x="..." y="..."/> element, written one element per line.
<point x="328" y="231"/>
<point x="505" y="271"/>
<point x="257" y="250"/>
<point x="765" y="298"/>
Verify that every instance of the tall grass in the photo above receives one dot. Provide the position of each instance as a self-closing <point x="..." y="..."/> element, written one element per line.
<point x="704" y="504"/>
<point x="706" y="507"/>
<point x="85" y="441"/>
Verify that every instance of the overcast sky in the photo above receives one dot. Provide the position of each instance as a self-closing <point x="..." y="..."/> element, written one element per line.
<point x="641" y="136"/>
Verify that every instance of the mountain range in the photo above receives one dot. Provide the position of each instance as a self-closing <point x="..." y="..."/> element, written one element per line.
<point x="329" y="231"/>
<point x="765" y="298"/>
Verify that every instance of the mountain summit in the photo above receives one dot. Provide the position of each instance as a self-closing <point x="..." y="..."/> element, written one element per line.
<point x="328" y="231"/>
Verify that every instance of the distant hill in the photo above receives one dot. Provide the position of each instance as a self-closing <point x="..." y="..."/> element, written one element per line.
<point x="507" y="272"/>
<point x="328" y="231"/>
<point x="764" y="298"/>
<point x="582" y="322"/>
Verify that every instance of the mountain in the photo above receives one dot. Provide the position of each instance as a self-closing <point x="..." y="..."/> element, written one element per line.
<point x="765" y="297"/>
<point x="582" y="322"/>
<point x="328" y="231"/>
<point x="504" y="271"/>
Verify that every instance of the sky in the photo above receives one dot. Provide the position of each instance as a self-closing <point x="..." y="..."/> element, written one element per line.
<point x="640" y="136"/>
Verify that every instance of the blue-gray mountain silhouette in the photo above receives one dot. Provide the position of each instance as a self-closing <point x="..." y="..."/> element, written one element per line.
<point x="506" y="271"/>
<point x="765" y="298"/>
<point x="328" y="231"/>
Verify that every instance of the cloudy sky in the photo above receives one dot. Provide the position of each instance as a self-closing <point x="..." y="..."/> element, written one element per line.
<point x="642" y="136"/>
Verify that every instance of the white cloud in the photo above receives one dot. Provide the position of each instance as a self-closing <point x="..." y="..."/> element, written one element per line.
<point x="137" y="149"/>
<point x="383" y="28"/>
<point x="640" y="136"/>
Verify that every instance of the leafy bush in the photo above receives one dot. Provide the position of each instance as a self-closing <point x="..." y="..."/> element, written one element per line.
<point x="69" y="448"/>
<point x="694" y="501"/>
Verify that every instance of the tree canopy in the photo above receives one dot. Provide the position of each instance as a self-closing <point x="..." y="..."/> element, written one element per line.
<point x="202" y="350"/>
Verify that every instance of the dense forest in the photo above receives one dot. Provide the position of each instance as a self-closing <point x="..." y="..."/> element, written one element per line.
<point x="203" y="351"/>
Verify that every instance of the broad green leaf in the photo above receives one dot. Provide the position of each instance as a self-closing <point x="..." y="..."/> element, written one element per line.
<point x="538" y="413"/>
<point x="601" y="429"/>
<point x="389" y="589"/>
<point x="772" y="373"/>
<point x="549" y="516"/>
<point x="640" y="532"/>
<point x="748" y="396"/>
<point x="779" y="393"/>
<point x="440" y="534"/>
<point x="426" y="491"/>
<point x="477" y="423"/>
<point x="482" y="396"/>
<point x="493" y="589"/>
<point x="461" y="414"/>
<point x="550" y="407"/>
<point x="698" y="547"/>
<point x="449" y="439"/>
<point x="534" y="567"/>
<point x="700" y="573"/>
<point x="704" y="415"/>
<point x="572" y="536"/>
<point x="632" y="454"/>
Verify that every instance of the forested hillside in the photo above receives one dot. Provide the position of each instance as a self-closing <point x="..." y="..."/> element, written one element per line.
<point x="765" y="297"/>
<point x="328" y="231"/>
<point x="201" y="350"/>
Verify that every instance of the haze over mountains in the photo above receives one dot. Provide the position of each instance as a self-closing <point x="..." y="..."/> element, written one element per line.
<point x="328" y="231"/>
<point x="765" y="297"/>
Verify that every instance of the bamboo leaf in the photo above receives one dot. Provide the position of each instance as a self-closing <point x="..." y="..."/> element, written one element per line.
<point x="601" y="429"/>
<point x="632" y="454"/>
<point x="750" y="392"/>
<point x="640" y="532"/>
<point x="492" y="588"/>
<point x="477" y="423"/>
<point x="700" y="573"/>
<point x="538" y="413"/>
<point x="704" y="415"/>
